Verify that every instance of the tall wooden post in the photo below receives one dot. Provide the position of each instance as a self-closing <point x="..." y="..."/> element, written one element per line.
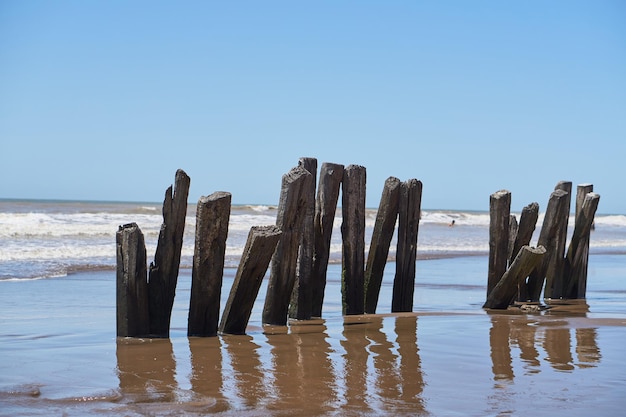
<point x="132" y="313"/>
<point x="554" y="275"/>
<point x="381" y="239"/>
<point x="257" y="253"/>
<point x="163" y="273"/>
<point x="577" y="259"/>
<point x="289" y="219"/>
<point x="331" y="176"/>
<point x="301" y="298"/>
<point x="408" y="227"/>
<point x="499" y="212"/>
<point x="353" y="238"/>
<point x="212" y="216"/>
<point x="549" y="237"/>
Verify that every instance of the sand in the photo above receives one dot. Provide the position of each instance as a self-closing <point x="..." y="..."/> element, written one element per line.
<point x="60" y="355"/>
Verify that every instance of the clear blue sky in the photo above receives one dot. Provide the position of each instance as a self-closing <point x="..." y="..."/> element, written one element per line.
<point x="104" y="100"/>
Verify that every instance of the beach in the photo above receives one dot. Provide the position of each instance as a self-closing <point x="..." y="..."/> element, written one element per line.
<point x="60" y="354"/>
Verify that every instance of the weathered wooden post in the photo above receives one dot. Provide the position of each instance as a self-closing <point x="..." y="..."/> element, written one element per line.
<point x="257" y="253"/>
<point x="301" y="298"/>
<point x="576" y="261"/>
<point x="381" y="239"/>
<point x="353" y="239"/>
<point x="289" y="218"/>
<point x="331" y="176"/>
<point x="408" y="227"/>
<point x="525" y="230"/>
<point x="505" y="290"/>
<point x="212" y="216"/>
<point x="133" y="318"/>
<point x="556" y="213"/>
<point x="163" y="273"/>
<point x="499" y="212"/>
<point x="554" y="276"/>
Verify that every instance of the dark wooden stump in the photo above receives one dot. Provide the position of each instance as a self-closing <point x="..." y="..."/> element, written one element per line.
<point x="212" y="216"/>
<point x="381" y="239"/>
<point x="301" y="298"/>
<point x="257" y="253"/>
<point x="331" y="176"/>
<point x="408" y="227"/>
<point x="163" y="273"/>
<point x="289" y="218"/>
<point x="554" y="275"/>
<point x="553" y="221"/>
<point x="577" y="259"/>
<point x="353" y="239"/>
<point x="506" y="289"/>
<point x="133" y="318"/>
<point x="499" y="212"/>
<point x="525" y="230"/>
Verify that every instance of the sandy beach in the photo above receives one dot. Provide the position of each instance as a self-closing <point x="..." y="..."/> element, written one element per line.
<point x="450" y="357"/>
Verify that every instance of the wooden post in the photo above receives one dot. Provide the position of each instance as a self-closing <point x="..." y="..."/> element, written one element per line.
<point x="132" y="286"/>
<point x="525" y="230"/>
<point x="554" y="275"/>
<point x="353" y="238"/>
<point x="331" y="176"/>
<point x="381" y="239"/>
<point x="556" y="212"/>
<point x="163" y="273"/>
<point x="577" y="258"/>
<point x="408" y="227"/>
<point x="301" y="298"/>
<point x="257" y="253"/>
<point x="289" y="219"/>
<point x="513" y="229"/>
<point x="504" y="292"/>
<point x="499" y="212"/>
<point x="212" y="216"/>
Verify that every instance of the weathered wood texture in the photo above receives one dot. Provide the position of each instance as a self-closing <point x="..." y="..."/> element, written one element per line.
<point x="513" y="229"/>
<point x="301" y="298"/>
<point x="289" y="218"/>
<point x="506" y="289"/>
<point x="212" y="217"/>
<point x="576" y="261"/>
<point x="255" y="259"/>
<point x="132" y="312"/>
<point x="549" y="238"/>
<point x="525" y="230"/>
<point x="331" y="176"/>
<point x="554" y="276"/>
<point x="381" y="239"/>
<point x="163" y="272"/>
<point x="499" y="212"/>
<point x="408" y="227"/>
<point x="353" y="240"/>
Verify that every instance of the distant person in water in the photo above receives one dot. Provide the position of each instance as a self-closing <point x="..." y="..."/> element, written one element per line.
<point x="452" y="223"/>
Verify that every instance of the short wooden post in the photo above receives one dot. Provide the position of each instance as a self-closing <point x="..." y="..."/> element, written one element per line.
<point x="577" y="259"/>
<point x="408" y="227"/>
<point x="301" y="298"/>
<point x="133" y="318"/>
<point x="504" y="292"/>
<point x="499" y="212"/>
<point x="353" y="239"/>
<point x="257" y="253"/>
<point x="525" y="230"/>
<point x="549" y="237"/>
<point x="212" y="216"/>
<point x="163" y="273"/>
<point x="381" y="239"/>
<point x="331" y="176"/>
<point x="289" y="218"/>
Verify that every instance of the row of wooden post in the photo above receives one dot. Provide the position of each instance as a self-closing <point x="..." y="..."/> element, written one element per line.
<point x="519" y="272"/>
<point x="296" y="250"/>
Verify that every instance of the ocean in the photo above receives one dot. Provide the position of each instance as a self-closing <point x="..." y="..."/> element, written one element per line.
<point x="60" y="354"/>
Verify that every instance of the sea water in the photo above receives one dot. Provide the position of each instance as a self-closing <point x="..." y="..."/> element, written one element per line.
<point x="41" y="239"/>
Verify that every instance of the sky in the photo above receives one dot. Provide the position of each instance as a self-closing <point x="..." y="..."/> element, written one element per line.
<point x="105" y="100"/>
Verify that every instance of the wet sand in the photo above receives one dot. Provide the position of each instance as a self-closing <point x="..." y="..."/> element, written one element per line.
<point x="60" y="355"/>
